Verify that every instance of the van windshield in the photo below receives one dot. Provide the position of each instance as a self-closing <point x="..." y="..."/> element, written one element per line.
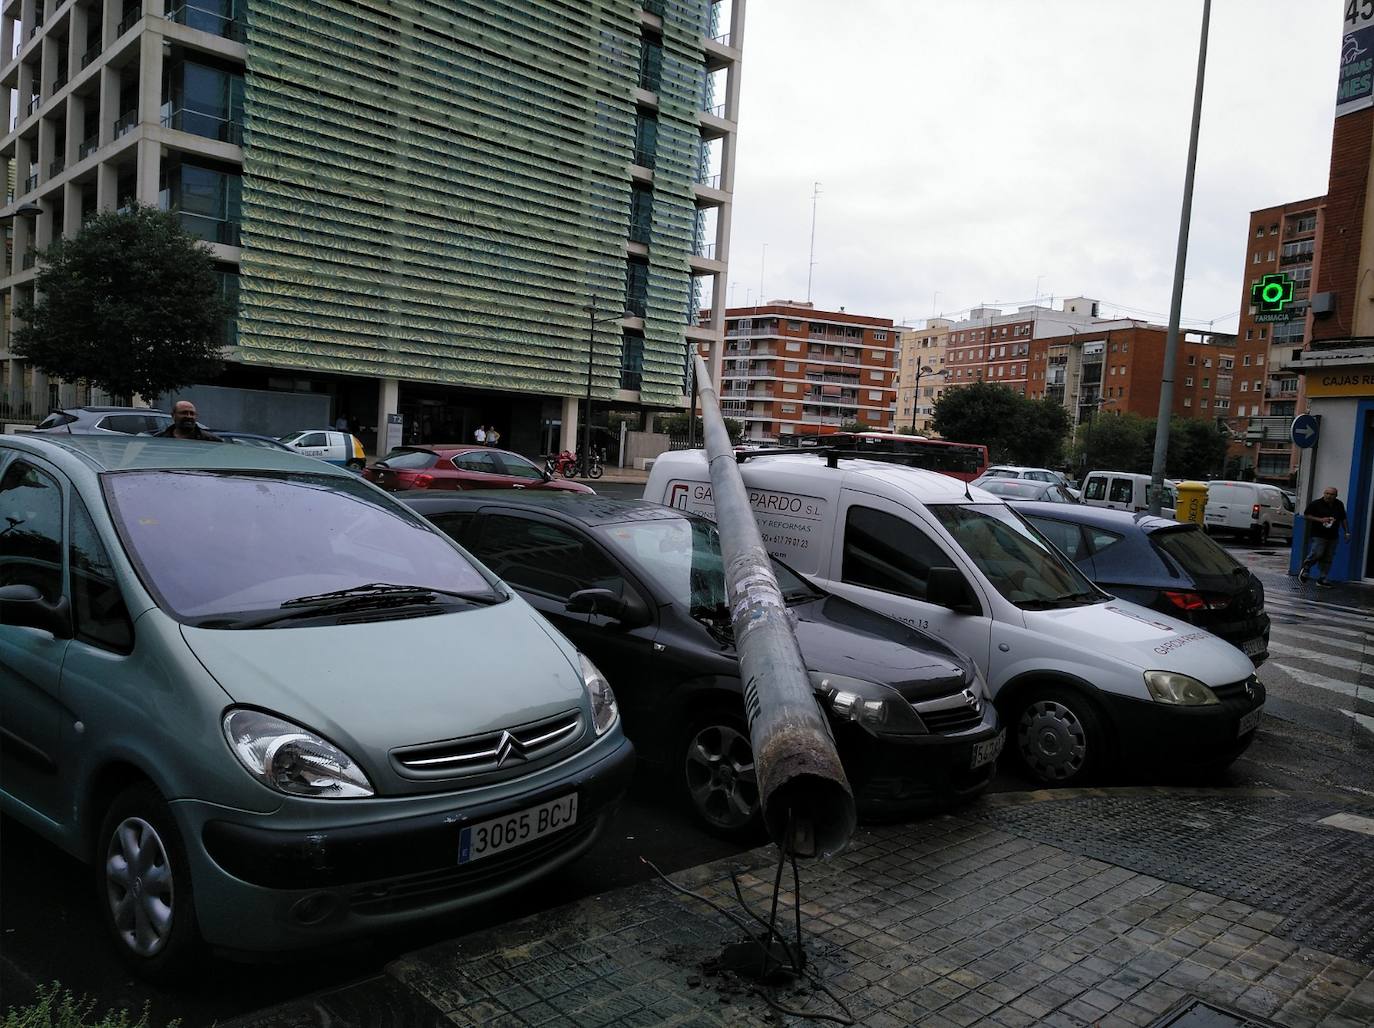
<point x="218" y="547"/>
<point x="1015" y="558"/>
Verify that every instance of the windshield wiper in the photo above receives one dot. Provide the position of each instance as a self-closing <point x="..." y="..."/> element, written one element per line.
<point x="382" y="589"/>
<point x="1051" y="602"/>
<point x="377" y="596"/>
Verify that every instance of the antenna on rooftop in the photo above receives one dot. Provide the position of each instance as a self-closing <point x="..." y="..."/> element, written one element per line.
<point x="811" y="266"/>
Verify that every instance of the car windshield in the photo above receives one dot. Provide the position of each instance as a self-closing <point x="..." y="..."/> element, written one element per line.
<point x="1196" y="553"/>
<point x="214" y="543"/>
<point x="683" y="555"/>
<point x="1018" y="561"/>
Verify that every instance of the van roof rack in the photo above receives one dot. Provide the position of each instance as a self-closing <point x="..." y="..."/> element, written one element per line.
<point x="832" y="454"/>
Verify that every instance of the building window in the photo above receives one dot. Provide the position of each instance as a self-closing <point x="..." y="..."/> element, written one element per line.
<point x="789" y="387"/>
<point x="1207" y="362"/>
<point x="1259" y="232"/>
<point x="873" y="394"/>
<point x="1273" y="230"/>
<point x="789" y="408"/>
<point x="1206" y="383"/>
<point x="791" y="366"/>
<point x="1188" y="381"/>
<point x="636" y="286"/>
<point x="1259" y="385"/>
<point x="1240" y="411"/>
<point x="642" y="217"/>
<point x="793" y="347"/>
<point x="1245" y="361"/>
<point x="1257" y="257"/>
<point x="880" y="336"/>
<point x="1187" y="401"/>
<point x="1192" y="360"/>
<point x="1244" y="386"/>
<point x="631" y="361"/>
<point x="646" y="139"/>
<point x="1204" y="403"/>
<point x="1248" y="333"/>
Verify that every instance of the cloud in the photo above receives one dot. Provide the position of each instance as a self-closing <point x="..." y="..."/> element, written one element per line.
<point x="976" y="148"/>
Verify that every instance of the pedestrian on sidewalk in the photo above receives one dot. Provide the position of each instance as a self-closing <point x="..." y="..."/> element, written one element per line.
<point x="480" y="436"/>
<point x="493" y="436"/>
<point x="1326" y="523"/>
<point x="185" y="426"/>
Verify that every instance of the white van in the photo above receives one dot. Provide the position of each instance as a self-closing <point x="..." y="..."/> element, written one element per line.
<point x="1251" y="509"/>
<point x="1124" y="490"/>
<point x="1081" y="679"/>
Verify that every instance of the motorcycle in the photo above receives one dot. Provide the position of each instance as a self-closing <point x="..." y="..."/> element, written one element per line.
<point x="571" y="465"/>
<point x="564" y="464"/>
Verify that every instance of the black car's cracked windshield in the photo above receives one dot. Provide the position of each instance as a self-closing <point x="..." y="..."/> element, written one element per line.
<point x="228" y="550"/>
<point x="1016" y="558"/>
<point x="684" y="556"/>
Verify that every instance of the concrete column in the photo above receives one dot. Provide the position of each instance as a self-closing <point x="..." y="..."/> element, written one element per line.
<point x="7" y="40"/>
<point x="113" y="16"/>
<point x="106" y="187"/>
<point x="388" y="403"/>
<point x="76" y="123"/>
<point x="567" y="433"/>
<point x="149" y="171"/>
<point x="71" y="209"/>
<point x="150" y="75"/>
<point x="109" y="102"/>
<point x="76" y="39"/>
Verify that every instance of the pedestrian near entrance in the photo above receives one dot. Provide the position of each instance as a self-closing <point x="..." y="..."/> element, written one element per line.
<point x="341" y="423"/>
<point x="480" y="436"/>
<point x="493" y="437"/>
<point x="184" y="425"/>
<point x="1326" y="523"/>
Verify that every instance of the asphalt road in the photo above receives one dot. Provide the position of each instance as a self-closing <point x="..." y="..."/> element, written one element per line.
<point x="1313" y="733"/>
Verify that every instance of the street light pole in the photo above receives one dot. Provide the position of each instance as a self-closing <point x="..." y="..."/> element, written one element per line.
<point x="916" y="398"/>
<point x="587" y="422"/>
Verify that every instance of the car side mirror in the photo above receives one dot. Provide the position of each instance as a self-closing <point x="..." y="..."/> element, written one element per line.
<point x="24" y="606"/>
<point x="946" y="587"/>
<point x="628" y="609"/>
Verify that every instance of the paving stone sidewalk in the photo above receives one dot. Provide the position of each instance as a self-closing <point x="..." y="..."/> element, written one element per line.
<point x="958" y="920"/>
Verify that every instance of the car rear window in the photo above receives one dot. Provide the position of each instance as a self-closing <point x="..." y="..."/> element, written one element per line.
<point x="1195" y="552"/>
<point x="56" y="420"/>
<point x="408" y="460"/>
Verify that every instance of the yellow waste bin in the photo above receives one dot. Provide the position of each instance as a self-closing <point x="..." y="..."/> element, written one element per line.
<point x="1192" y="501"/>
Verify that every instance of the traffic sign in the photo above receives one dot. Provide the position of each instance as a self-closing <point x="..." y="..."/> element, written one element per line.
<point x="1306" y="428"/>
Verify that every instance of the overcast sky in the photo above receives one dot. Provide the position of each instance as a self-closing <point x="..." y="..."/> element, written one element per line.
<point x="975" y="147"/>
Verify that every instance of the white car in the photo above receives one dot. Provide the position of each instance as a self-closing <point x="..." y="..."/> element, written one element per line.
<point x="333" y="447"/>
<point x="1034" y="474"/>
<point x="1251" y="509"/>
<point x="1081" y="679"/>
<point x="1125" y="490"/>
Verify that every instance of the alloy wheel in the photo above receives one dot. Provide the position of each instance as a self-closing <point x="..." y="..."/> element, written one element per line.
<point x="720" y="776"/>
<point x="139" y="887"/>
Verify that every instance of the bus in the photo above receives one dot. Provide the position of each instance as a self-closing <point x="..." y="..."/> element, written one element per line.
<point x="964" y="461"/>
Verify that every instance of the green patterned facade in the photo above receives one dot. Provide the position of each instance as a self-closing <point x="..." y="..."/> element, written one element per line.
<point x="434" y="189"/>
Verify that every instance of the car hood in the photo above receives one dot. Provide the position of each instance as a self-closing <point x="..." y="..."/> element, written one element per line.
<point x="838" y="637"/>
<point x="1145" y="638"/>
<point x="371" y="687"/>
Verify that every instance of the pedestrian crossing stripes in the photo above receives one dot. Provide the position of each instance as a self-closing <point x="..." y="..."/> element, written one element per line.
<point x="1317" y="616"/>
<point x="1363" y="720"/>
<point x="1278" y="649"/>
<point x="1302" y="602"/>
<point x="1304" y="677"/>
<point x="1303" y="630"/>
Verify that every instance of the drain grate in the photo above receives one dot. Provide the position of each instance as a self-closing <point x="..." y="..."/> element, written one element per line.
<point x="1192" y="1012"/>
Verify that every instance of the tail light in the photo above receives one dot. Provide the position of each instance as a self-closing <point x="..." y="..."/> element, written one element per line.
<point x="1254" y="512"/>
<point x="422" y="481"/>
<point x="1190" y="601"/>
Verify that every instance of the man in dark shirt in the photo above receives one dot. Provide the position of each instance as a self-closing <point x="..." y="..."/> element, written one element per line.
<point x="184" y="425"/>
<point x="1325" y="524"/>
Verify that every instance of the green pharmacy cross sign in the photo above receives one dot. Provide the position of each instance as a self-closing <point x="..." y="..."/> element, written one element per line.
<point x="1271" y="295"/>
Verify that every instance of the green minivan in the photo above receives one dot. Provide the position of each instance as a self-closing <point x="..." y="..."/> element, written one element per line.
<point x="271" y="705"/>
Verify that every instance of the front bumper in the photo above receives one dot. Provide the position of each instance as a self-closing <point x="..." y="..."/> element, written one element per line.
<point x="263" y="888"/>
<point x="1160" y="734"/>
<point x="898" y="776"/>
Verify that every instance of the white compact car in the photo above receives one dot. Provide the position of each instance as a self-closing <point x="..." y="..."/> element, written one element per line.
<point x="341" y="448"/>
<point x="1250" y="509"/>
<point x="1081" y="679"/>
<point x="1124" y="490"/>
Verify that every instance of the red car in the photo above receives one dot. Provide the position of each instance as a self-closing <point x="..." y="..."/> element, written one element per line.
<point x="461" y="467"/>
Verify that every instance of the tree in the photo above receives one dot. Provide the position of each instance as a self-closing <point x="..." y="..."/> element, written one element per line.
<point x="131" y="304"/>
<point x="1015" y="429"/>
<point x="1115" y="442"/>
<point x="1197" y="448"/>
<point x="853" y="425"/>
<point x="676" y="425"/>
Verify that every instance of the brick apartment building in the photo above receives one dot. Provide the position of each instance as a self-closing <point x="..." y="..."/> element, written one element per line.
<point x="1281" y="239"/>
<point x="790" y="369"/>
<point x="923" y="350"/>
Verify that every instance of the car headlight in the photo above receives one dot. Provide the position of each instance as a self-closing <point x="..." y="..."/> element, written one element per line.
<point x="291" y="759"/>
<point x="1180" y="690"/>
<point x="877" y="708"/>
<point x="604" y="711"/>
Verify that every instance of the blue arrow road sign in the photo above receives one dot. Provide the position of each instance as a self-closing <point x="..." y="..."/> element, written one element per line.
<point x="1306" y="428"/>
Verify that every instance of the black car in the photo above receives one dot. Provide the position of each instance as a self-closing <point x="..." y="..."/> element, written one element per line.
<point x="640" y="588"/>
<point x="1166" y="565"/>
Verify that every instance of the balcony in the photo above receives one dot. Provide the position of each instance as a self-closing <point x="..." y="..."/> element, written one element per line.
<point x="33" y="30"/>
<point x="90" y="55"/>
<point x="208" y="126"/>
<point x="212" y="230"/>
<point x="205" y="20"/>
<point x="129" y="21"/>
<point x="56" y="168"/>
<point x="125" y="123"/>
<point x="26" y="262"/>
<point x="706" y="250"/>
<point x="88" y="146"/>
<point x="34" y="103"/>
<point x="718" y="111"/>
<point x="31" y="183"/>
<point x="709" y="181"/>
<point x="1296" y="258"/>
<point x="60" y="80"/>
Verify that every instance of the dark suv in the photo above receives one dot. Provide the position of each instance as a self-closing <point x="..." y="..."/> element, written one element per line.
<point x="100" y="420"/>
